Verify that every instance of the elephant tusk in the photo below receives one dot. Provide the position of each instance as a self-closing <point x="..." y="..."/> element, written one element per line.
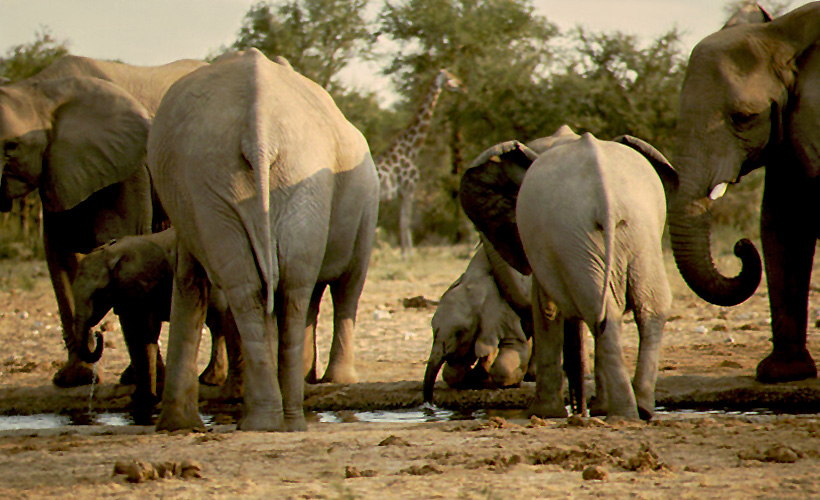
<point x="718" y="191"/>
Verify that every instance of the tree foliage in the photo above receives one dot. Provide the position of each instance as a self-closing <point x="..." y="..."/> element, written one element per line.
<point x="24" y="60"/>
<point x="318" y="37"/>
<point x="610" y="85"/>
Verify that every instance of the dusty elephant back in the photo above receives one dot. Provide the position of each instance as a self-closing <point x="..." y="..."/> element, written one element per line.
<point x="577" y="195"/>
<point x="147" y="84"/>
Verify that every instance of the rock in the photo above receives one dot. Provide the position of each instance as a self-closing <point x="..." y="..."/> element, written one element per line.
<point x="136" y="471"/>
<point x="394" y="441"/>
<point x="700" y="329"/>
<point x="594" y="473"/>
<point x="353" y="472"/>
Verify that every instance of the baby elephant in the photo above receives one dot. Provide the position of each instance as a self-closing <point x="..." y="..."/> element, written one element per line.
<point x="477" y="335"/>
<point x="133" y="275"/>
<point x="585" y="217"/>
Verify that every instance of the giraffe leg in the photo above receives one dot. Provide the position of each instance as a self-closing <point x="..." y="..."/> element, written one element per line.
<point x="405" y="218"/>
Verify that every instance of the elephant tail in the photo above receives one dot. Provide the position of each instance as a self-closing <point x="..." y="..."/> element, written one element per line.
<point x="609" y="243"/>
<point x="261" y="158"/>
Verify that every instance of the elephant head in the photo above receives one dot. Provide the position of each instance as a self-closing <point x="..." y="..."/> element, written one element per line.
<point x="124" y="273"/>
<point x="476" y="333"/>
<point x="67" y="137"/>
<point x="740" y="109"/>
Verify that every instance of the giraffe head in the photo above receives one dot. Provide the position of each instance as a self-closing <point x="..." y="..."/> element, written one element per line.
<point x="447" y="80"/>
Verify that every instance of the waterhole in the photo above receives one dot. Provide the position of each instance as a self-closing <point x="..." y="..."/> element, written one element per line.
<point x="426" y="413"/>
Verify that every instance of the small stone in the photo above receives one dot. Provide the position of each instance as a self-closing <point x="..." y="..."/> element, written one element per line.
<point x="190" y="469"/>
<point x="394" y="441"/>
<point x="594" y="473"/>
<point x="700" y="329"/>
<point x="136" y="471"/>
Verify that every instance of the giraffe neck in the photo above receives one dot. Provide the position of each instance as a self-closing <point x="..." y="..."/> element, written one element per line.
<point x="416" y="132"/>
<point x="396" y="165"/>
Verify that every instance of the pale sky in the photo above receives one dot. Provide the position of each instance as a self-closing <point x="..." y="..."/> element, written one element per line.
<point x="149" y="32"/>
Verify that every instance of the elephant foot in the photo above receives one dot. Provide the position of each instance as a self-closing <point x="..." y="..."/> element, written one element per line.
<point x="262" y="420"/>
<point x="128" y="377"/>
<point x="340" y="374"/>
<point x="75" y="374"/>
<point x="311" y="377"/>
<point x="786" y="366"/>
<point x="212" y="377"/>
<point x="174" y="419"/>
<point x="543" y="409"/>
<point x="597" y="408"/>
<point x="143" y="402"/>
<point x="232" y="390"/>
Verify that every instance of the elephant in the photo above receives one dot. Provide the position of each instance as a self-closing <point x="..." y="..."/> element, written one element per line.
<point x="274" y="197"/>
<point x="749" y="99"/>
<point x="585" y="218"/>
<point x="133" y="276"/>
<point x="474" y="325"/>
<point x="76" y="132"/>
<point x="749" y="13"/>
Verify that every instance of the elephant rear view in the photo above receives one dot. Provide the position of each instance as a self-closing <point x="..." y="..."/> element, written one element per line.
<point x="590" y="215"/>
<point x="273" y="194"/>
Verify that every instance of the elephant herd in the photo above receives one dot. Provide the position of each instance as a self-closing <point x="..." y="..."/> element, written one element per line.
<point x="272" y="197"/>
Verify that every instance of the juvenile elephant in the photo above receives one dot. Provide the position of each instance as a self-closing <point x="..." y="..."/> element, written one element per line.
<point x="590" y="216"/>
<point x="76" y="132"/>
<point x="477" y="335"/>
<point x="750" y="98"/>
<point x="133" y="275"/>
<point x="274" y="196"/>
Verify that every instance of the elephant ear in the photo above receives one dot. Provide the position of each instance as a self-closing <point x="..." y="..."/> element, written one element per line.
<point x="665" y="170"/>
<point x="488" y="193"/>
<point x="98" y="138"/>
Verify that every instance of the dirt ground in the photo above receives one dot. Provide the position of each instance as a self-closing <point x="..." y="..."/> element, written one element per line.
<point x="708" y="361"/>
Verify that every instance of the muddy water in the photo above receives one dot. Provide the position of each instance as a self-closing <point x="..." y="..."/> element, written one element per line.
<point x="426" y="413"/>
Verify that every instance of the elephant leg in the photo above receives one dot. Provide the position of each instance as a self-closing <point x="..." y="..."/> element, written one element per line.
<point x="226" y="366"/>
<point x="61" y="266"/>
<point x="189" y="305"/>
<point x="405" y="221"/>
<point x="310" y="354"/>
<point x="574" y="358"/>
<point x="217" y="370"/>
<point x="548" y="340"/>
<point x="141" y="332"/>
<point x="652" y="299"/>
<point x="295" y="302"/>
<point x="650" y="328"/>
<point x="341" y="366"/>
<point x="620" y="400"/>
<point x="788" y="249"/>
<point x="234" y="386"/>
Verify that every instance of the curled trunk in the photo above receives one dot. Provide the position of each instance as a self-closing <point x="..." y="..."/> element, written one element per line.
<point x="690" y="226"/>
<point x="90" y="347"/>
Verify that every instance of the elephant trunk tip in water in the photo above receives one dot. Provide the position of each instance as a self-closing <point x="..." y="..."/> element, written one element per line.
<point x="89" y="352"/>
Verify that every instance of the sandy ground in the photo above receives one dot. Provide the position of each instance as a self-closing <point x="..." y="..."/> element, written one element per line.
<point x="708" y="361"/>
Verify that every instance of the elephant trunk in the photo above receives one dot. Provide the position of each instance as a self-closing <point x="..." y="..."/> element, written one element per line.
<point x="690" y="226"/>
<point x="90" y="347"/>
<point x="434" y="364"/>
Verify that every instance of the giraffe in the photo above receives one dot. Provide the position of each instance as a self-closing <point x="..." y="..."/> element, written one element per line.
<point x="396" y="165"/>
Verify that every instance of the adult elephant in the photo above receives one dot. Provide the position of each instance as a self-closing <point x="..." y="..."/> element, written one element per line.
<point x="76" y="132"/>
<point x="751" y="97"/>
<point x="273" y="194"/>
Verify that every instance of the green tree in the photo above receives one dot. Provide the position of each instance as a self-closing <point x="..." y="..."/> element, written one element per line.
<point x="318" y="37"/>
<point x="611" y="85"/>
<point x="24" y="60"/>
<point x="499" y="49"/>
